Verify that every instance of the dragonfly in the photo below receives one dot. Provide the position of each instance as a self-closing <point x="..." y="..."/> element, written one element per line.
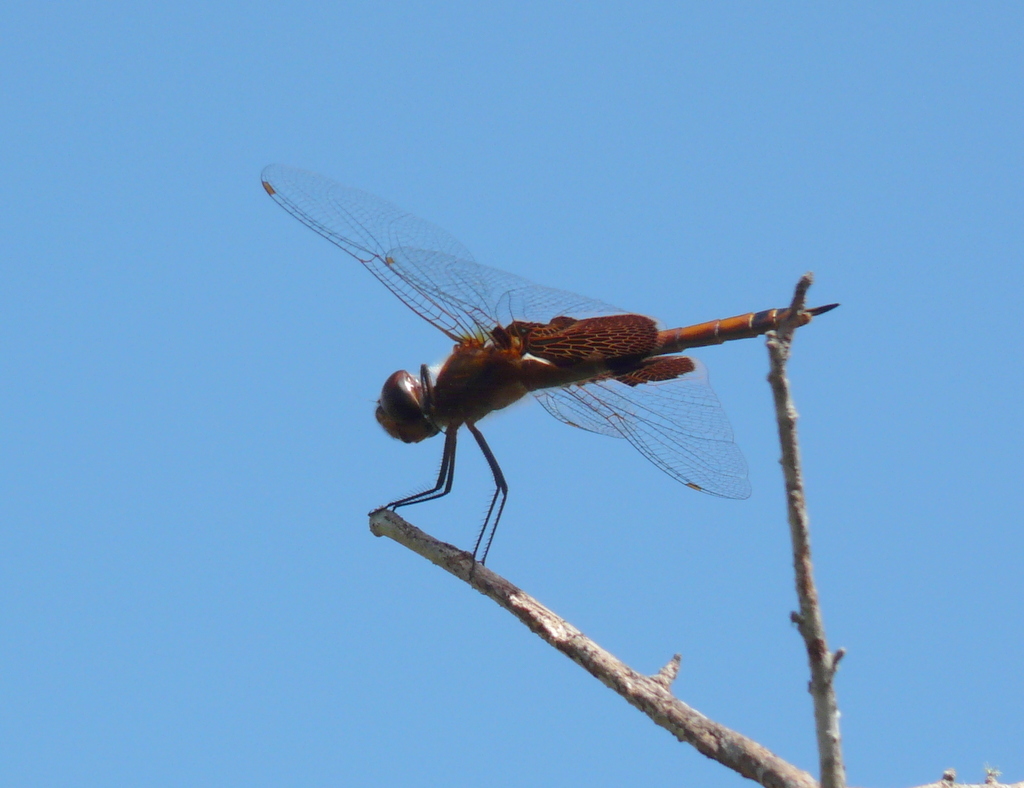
<point x="591" y="365"/>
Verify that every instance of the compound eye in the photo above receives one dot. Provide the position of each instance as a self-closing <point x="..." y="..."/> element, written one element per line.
<point x="400" y="409"/>
<point x="402" y="396"/>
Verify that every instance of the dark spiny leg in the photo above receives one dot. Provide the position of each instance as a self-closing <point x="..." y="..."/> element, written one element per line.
<point x="494" y="528"/>
<point x="500" y="491"/>
<point x="444" y="478"/>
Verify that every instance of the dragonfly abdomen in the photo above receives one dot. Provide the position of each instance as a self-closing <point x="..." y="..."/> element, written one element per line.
<point x="715" y="332"/>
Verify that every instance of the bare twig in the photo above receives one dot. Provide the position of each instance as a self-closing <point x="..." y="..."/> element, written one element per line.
<point x="986" y="784"/>
<point x="650" y="694"/>
<point x="823" y="663"/>
<point x="991" y="781"/>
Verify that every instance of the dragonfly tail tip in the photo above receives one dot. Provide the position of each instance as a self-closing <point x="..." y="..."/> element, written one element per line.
<point x="820" y="310"/>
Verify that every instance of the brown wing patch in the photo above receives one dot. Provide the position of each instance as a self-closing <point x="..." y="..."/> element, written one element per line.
<point x="565" y="340"/>
<point x="652" y="370"/>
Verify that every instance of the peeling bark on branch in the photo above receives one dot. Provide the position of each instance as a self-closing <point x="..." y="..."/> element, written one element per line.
<point x="650" y="694"/>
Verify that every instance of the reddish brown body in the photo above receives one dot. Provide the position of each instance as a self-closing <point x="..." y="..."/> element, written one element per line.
<point x="481" y="377"/>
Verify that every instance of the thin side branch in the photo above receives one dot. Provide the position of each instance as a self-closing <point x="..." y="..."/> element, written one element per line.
<point x="650" y="694"/>
<point x="991" y="781"/>
<point x="986" y="784"/>
<point x="823" y="663"/>
<point x="944" y="784"/>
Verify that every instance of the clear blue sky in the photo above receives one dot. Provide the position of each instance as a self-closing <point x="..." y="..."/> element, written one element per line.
<point x="189" y="594"/>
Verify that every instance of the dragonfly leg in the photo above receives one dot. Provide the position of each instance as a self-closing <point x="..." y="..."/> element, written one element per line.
<point x="444" y="478"/>
<point x="500" y="491"/>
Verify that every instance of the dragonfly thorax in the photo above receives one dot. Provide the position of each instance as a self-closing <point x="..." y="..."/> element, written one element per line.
<point x="401" y="411"/>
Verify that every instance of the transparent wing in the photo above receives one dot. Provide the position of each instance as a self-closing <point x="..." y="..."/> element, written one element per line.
<point x="428" y="269"/>
<point x="678" y="424"/>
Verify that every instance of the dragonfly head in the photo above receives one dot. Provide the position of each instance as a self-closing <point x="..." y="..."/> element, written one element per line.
<point x="400" y="409"/>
